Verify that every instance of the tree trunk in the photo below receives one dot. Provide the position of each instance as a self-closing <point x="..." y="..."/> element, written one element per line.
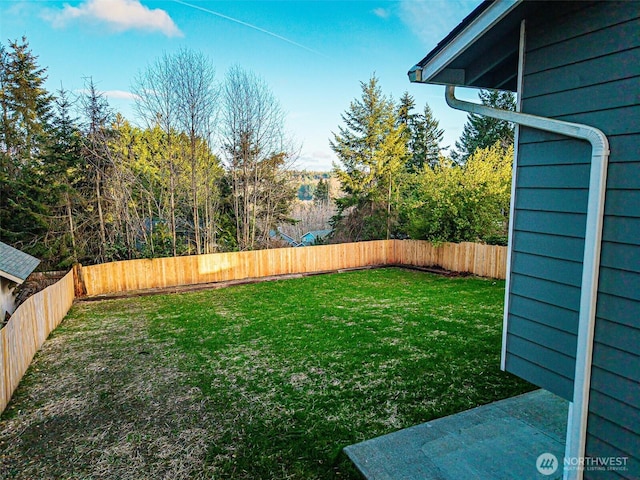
<point x="103" y="231"/>
<point x="194" y="193"/>
<point x="71" y="228"/>
<point x="172" y="207"/>
<point x="246" y="210"/>
<point x="151" y="240"/>
<point x="389" y="209"/>
<point x="236" y="207"/>
<point x="254" y="215"/>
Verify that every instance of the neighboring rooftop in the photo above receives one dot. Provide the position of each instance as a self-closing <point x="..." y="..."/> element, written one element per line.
<point x="16" y="265"/>
<point x="311" y="237"/>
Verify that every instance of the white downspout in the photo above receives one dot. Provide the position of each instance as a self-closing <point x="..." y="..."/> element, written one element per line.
<point x="579" y="408"/>
<point x="512" y="205"/>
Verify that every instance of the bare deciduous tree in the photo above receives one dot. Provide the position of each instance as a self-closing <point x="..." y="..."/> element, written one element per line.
<point x="255" y="146"/>
<point x="178" y="93"/>
<point x="98" y="134"/>
<point x="197" y="104"/>
<point x="309" y="216"/>
<point x="155" y="102"/>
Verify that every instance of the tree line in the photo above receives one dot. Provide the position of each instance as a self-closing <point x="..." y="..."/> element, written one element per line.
<point x="399" y="181"/>
<point x="206" y="170"/>
<point x="207" y="166"/>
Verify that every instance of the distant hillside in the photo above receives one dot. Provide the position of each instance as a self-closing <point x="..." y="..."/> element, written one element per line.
<point x="307" y="176"/>
<point x="306" y="182"/>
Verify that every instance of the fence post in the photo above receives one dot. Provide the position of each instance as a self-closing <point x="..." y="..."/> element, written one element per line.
<point x="79" y="288"/>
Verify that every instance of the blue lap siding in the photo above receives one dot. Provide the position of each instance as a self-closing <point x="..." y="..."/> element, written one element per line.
<point x="582" y="64"/>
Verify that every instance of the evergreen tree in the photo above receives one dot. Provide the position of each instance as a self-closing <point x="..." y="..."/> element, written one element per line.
<point x="405" y="106"/>
<point x="305" y="192"/>
<point x="321" y="194"/>
<point x="26" y="112"/>
<point x="26" y="105"/>
<point x="483" y="132"/>
<point x="426" y="137"/>
<point x="422" y="132"/>
<point x="372" y="148"/>
<point x="4" y="99"/>
<point x="407" y="121"/>
<point x="63" y="166"/>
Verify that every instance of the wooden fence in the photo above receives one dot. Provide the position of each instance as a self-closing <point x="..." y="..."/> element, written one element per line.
<point x="482" y="260"/>
<point x="129" y="275"/>
<point x="32" y="322"/>
<point x="219" y="267"/>
<point x="26" y="331"/>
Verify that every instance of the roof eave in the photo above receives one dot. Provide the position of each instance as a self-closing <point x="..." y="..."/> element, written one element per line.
<point x="434" y="67"/>
<point x="15" y="265"/>
<point x="11" y="278"/>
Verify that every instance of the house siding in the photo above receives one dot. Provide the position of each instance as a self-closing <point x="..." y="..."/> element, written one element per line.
<point x="582" y="66"/>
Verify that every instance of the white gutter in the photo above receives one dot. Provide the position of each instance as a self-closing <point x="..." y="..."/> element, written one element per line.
<point x="579" y="408"/>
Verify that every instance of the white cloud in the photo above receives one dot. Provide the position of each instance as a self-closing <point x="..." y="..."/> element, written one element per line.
<point x="120" y="94"/>
<point x="19" y="9"/>
<point x="309" y="162"/>
<point x="113" y="94"/>
<point x="431" y="20"/>
<point x="316" y="160"/>
<point x="120" y="15"/>
<point x="323" y="154"/>
<point x="381" y="12"/>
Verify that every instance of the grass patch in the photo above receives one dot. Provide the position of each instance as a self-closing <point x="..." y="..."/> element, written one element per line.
<point x="269" y="380"/>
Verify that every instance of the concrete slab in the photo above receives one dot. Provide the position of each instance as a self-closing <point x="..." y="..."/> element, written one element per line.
<point x="498" y="441"/>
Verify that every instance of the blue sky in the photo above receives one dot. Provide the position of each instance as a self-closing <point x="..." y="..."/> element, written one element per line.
<point x="313" y="54"/>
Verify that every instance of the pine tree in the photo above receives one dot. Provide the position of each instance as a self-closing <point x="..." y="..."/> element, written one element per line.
<point x="405" y="106"/>
<point x="26" y="105"/>
<point x="484" y="132"/>
<point x="426" y="137"/>
<point x="26" y="113"/>
<point x="64" y="168"/>
<point x="422" y="132"/>
<point x="372" y="148"/>
<point x="321" y="194"/>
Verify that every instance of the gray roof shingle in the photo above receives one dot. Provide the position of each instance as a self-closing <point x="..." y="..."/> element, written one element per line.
<point x="16" y="265"/>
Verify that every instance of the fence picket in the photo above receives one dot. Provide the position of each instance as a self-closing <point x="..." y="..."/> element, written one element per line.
<point x="27" y="329"/>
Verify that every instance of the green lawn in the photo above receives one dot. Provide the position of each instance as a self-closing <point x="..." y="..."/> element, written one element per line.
<point x="269" y="380"/>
